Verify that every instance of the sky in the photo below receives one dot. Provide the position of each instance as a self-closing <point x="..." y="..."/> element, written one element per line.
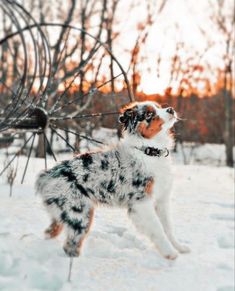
<point x="180" y="21"/>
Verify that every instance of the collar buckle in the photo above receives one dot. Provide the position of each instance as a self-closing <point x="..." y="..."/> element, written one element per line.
<point x="155" y="152"/>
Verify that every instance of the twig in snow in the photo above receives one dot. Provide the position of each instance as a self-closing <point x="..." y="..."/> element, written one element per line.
<point x="70" y="269"/>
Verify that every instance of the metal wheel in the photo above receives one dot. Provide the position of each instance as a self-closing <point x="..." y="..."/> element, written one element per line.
<point x="53" y="85"/>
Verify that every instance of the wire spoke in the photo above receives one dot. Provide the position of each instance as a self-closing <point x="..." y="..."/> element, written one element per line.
<point x="40" y="73"/>
<point x="91" y="91"/>
<point x="45" y="150"/>
<point x="68" y="144"/>
<point x="9" y="163"/>
<point x="50" y="148"/>
<point x="81" y="135"/>
<point x="89" y="115"/>
<point x="26" y="165"/>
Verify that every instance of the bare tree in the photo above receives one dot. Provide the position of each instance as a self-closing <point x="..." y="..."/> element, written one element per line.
<point x="223" y="17"/>
<point x="110" y="35"/>
<point x="153" y="9"/>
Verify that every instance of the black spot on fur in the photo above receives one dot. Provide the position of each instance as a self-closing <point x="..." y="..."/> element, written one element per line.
<point x="121" y="178"/>
<point x="68" y="173"/>
<point x="87" y="160"/>
<point x="75" y="224"/>
<point x="57" y="201"/>
<point x="110" y="187"/>
<point x="104" y="185"/>
<point x="82" y="189"/>
<point x="77" y="209"/>
<point x="139" y="180"/>
<point x="102" y="197"/>
<point x="85" y="177"/>
<point x="104" y="165"/>
<point x="137" y="183"/>
<point x="101" y="193"/>
<point x="63" y="169"/>
<point x="130" y="195"/>
<point x="55" y="172"/>
<point x="90" y="190"/>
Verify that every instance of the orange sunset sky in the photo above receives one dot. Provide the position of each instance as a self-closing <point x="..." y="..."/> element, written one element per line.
<point x="187" y="22"/>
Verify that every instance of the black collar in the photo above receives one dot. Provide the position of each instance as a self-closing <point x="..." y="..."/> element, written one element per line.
<point x="154" y="152"/>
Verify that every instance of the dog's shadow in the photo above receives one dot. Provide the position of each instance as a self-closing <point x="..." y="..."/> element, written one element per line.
<point x="116" y="243"/>
<point x="114" y="238"/>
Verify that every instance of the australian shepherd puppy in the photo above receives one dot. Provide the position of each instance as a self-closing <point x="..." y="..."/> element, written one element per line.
<point x="136" y="174"/>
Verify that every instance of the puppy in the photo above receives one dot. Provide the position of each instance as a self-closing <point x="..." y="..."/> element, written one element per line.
<point x="136" y="174"/>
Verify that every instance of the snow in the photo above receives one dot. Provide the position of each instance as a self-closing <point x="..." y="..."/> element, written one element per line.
<point x="201" y="154"/>
<point x="115" y="256"/>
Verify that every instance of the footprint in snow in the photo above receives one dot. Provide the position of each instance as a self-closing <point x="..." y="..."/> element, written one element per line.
<point x="4" y="234"/>
<point x="226" y="242"/>
<point x="220" y="204"/>
<point x="224" y="266"/>
<point x="225" y="217"/>
<point x="117" y="230"/>
<point x="224" y="205"/>
<point x="226" y="288"/>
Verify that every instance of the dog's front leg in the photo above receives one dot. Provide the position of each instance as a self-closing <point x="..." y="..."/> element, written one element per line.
<point x="163" y="211"/>
<point x="145" y="219"/>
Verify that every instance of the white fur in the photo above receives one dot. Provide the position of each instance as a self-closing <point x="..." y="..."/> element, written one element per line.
<point x="153" y="217"/>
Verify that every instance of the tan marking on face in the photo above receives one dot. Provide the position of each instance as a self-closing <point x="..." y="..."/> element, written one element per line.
<point x="149" y="108"/>
<point x="54" y="229"/>
<point x="149" y="187"/>
<point x="150" y="130"/>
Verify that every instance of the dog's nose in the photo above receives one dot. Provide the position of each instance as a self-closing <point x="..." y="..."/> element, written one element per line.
<point x="170" y="110"/>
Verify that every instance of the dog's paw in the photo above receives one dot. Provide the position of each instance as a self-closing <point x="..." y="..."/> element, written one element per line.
<point x="183" y="249"/>
<point x="71" y="249"/>
<point x="71" y="252"/>
<point x="171" y="256"/>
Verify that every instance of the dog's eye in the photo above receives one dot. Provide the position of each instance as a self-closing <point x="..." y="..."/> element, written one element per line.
<point x="149" y="115"/>
<point x="141" y="117"/>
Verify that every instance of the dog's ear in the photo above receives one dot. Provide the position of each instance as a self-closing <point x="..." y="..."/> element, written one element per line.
<point x="126" y="112"/>
<point x="123" y="117"/>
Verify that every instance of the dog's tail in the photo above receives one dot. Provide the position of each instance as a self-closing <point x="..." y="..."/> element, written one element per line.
<point x="41" y="181"/>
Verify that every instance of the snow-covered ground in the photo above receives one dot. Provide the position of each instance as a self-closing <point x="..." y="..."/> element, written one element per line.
<point x="115" y="256"/>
